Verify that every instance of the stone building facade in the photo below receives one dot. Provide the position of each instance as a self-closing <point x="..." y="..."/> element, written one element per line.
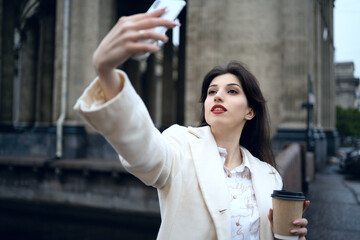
<point x="287" y="44"/>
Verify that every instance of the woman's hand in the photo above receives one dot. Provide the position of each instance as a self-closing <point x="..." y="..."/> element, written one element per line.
<point x="301" y="224"/>
<point x="123" y="41"/>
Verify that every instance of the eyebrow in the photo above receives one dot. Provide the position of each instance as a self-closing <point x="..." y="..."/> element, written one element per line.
<point x="230" y="84"/>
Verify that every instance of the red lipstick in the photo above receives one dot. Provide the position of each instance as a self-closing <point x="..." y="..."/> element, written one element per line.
<point x="218" y="109"/>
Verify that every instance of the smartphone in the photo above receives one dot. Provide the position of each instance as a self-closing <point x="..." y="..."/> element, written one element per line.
<point x="174" y="8"/>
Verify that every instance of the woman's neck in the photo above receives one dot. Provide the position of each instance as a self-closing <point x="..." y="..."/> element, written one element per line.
<point x="230" y="141"/>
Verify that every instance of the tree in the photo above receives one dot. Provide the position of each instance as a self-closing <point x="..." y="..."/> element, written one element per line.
<point x="348" y="122"/>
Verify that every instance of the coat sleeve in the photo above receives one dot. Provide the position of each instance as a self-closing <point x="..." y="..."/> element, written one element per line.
<point x="125" y="122"/>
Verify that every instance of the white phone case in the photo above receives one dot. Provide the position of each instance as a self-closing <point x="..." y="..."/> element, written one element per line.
<point x="174" y="8"/>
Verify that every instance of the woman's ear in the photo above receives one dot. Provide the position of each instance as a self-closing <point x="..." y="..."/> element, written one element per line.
<point x="250" y="114"/>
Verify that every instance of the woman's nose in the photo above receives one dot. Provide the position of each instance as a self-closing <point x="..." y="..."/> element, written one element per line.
<point x="218" y="97"/>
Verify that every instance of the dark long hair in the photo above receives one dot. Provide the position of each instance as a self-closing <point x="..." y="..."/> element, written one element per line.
<point x="255" y="135"/>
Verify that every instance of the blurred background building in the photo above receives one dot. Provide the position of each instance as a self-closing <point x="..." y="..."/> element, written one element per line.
<point x="347" y="86"/>
<point x="50" y="158"/>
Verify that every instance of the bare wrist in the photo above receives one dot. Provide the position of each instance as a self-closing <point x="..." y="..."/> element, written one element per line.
<point x="100" y="67"/>
<point x="111" y="83"/>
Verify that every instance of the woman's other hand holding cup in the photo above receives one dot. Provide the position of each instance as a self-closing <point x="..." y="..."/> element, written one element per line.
<point x="299" y="224"/>
<point x="302" y="223"/>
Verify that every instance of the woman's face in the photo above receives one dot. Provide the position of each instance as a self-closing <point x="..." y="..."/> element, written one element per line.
<point x="226" y="105"/>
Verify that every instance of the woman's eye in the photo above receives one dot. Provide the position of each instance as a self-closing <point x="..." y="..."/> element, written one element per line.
<point x="211" y="92"/>
<point x="232" y="91"/>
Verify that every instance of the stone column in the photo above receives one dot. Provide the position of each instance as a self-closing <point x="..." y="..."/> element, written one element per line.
<point x="87" y="27"/>
<point x="295" y="65"/>
<point x="180" y="116"/>
<point x="298" y="60"/>
<point x="324" y="67"/>
<point x="45" y="70"/>
<point x="327" y="101"/>
<point x="317" y="76"/>
<point x="149" y="86"/>
<point x="29" y="58"/>
<point x="203" y="49"/>
<point x="7" y="26"/>
<point x="332" y="70"/>
<point x="220" y="31"/>
<point x="1" y="53"/>
<point x="167" y="103"/>
<point x="325" y="83"/>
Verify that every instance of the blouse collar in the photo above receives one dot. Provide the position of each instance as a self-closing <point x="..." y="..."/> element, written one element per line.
<point x="240" y="168"/>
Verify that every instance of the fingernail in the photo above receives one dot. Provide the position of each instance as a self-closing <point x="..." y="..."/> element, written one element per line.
<point x="296" y="222"/>
<point x="176" y="24"/>
<point x="294" y="231"/>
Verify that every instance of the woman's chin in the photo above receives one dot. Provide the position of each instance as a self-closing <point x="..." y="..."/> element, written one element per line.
<point x="219" y="124"/>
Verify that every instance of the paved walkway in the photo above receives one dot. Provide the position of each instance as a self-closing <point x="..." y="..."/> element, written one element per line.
<point x="334" y="212"/>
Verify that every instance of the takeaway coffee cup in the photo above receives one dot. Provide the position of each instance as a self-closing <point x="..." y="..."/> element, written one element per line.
<point x="287" y="206"/>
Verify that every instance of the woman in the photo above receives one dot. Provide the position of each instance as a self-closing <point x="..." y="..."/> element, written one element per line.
<point x="209" y="187"/>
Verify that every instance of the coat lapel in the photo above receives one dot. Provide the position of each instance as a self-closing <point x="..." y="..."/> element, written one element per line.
<point x="264" y="182"/>
<point x="211" y="179"/>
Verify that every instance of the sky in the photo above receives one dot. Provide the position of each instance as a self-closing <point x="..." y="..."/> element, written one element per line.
<point x="347" y="32"/>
